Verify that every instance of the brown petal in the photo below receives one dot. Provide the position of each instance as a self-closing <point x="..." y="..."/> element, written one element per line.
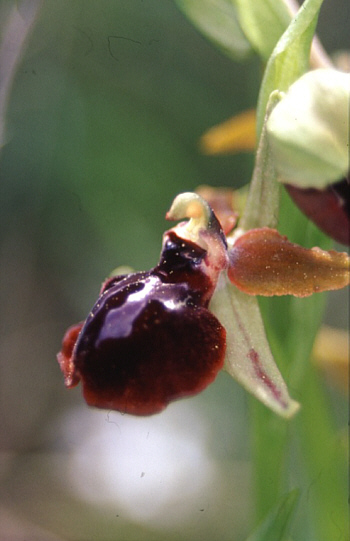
<point x="329" y="209"/>
<point x="263" y="262"/>
<point x="65" y="356"/>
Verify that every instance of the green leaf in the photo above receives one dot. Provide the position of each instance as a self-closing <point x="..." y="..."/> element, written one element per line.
<point x="290" y="58"/>
<point x="257" y="16"/>
<point x="275" y="525"/>
<point x="217" y="20"/>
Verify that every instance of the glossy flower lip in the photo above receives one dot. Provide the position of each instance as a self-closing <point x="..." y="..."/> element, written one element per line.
<point x="150" y="338"/>
<point x="140" y="350"/>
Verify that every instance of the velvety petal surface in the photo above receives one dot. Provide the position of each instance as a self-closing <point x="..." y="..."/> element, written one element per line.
<point x="263" y="262"/>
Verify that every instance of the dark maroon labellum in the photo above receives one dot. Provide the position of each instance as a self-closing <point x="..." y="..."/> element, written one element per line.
<point x="150" y="338"/>
<point x="329" y="209"/>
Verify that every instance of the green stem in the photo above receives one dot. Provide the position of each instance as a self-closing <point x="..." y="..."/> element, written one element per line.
<point x="325" y="463"/>
<point x="269" y="436"/>
<point x="261" y="209"/>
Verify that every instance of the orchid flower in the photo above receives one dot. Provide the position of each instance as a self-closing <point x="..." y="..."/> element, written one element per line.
<point x="153" y="337"/>
<point x="156" y="336"/>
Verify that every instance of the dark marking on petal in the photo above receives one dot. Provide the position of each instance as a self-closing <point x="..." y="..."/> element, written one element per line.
<point x="261" y="374"/>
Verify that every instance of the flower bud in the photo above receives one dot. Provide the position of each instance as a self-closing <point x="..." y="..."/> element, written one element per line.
<point x="308" y="130"/>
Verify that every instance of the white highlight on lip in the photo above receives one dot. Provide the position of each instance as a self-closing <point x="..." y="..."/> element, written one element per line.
<point x="139" y="295"/>
<point x="110" y="329"/>
<point x="171" y="305"/>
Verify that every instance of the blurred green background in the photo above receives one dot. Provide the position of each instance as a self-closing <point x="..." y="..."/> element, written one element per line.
<point x="103" y="116"/>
